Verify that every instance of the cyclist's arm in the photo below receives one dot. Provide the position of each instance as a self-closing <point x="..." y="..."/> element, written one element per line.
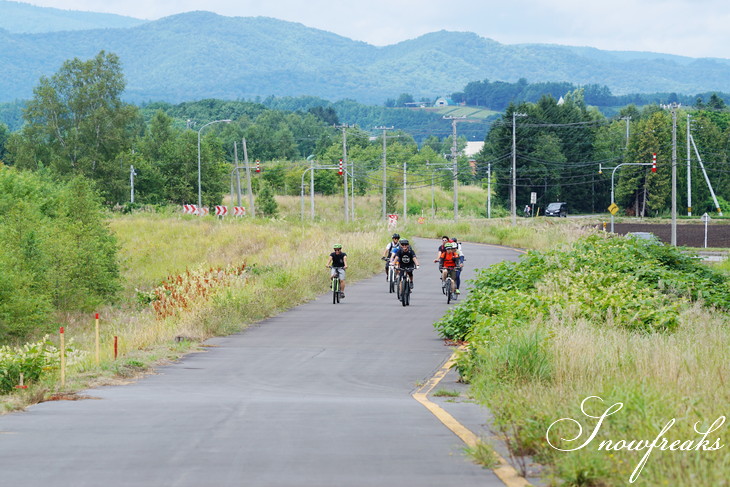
<point x="329" y="262"/>
<point x="344" y="262"/>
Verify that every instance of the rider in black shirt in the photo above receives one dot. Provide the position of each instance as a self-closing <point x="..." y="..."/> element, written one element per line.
<point x="338" y="262"/>
<point x="405" y="258"/>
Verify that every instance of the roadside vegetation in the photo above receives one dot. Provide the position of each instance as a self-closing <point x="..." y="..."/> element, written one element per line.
<point x="630" y="322"/>
<point x="185" y="279"/>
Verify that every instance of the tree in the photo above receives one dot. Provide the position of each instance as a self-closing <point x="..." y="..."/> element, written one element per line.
<point x="403" y="99"/>
<point x="4" y="135"/>
<point x="77" y="124"/>
<point x="265" y="202"/>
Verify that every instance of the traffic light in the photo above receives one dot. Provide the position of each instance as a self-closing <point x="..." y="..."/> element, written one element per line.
<point x="258" y="166"/>
<point x="339" y="169"/>
<point x="653" y="162"/>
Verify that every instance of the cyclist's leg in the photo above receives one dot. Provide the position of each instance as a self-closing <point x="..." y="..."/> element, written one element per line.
<point x="452" y="274"/>
<point x="341" y="272"/>
<point x="458" y="277"/>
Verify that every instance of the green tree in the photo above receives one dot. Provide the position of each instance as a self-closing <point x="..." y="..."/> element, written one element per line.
<point x="77" y="124"/>
<point x="266" y="204"/>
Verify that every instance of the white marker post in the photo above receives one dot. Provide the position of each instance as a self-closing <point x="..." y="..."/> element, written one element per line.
<point x="706" y="219"/>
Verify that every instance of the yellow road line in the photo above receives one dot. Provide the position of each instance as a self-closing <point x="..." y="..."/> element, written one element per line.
<point x="505" y="472"/>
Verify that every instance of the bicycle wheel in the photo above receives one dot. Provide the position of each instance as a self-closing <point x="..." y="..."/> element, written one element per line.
<point x="391" y="280"/>
<point x="406" y="292"/>
<point x="335" y="290"/>
<point x="448" y="290"/>
<point x="398" y="287"/>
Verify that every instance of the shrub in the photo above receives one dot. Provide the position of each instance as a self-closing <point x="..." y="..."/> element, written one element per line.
<point x="58" y="253"/>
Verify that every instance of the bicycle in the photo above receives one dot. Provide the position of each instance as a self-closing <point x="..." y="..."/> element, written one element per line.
<point x="446" y="287"/>
<point x="391" y="277"/>
<point x="335" y="286"/>
<point x="405" y="293"/>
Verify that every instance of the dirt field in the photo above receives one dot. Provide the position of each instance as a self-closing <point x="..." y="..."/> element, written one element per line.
<point x="688" y="235"/>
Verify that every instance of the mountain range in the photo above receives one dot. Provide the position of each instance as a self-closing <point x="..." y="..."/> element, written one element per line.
<point x="199" y="55"/>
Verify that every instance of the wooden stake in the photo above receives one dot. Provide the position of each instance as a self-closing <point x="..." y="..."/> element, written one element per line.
<point x="97" y="338"/>
<point x="63" y="359"/>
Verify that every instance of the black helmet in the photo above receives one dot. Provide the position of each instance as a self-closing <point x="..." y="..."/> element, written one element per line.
<point x="404" y="242"/>
<point x="395" y="235"/>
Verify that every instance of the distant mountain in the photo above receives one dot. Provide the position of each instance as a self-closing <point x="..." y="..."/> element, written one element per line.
<point x="200" y="55"/>
<point x="23" y="18"/>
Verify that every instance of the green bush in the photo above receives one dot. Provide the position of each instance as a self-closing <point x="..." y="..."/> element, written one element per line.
<point x="633" y="284"/>
<point x="58" y="253"/>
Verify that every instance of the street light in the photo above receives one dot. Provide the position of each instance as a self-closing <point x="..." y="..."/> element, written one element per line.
<point x="200" y="195"/>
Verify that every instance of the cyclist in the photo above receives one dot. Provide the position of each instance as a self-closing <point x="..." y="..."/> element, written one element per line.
<point x="448" y="263"/>
<point x="338" y="263"/>
<point x="442" y="247"/>
<point x="405" y="258"/>
<point x="461" y="261"/>
<point x="390" y="249"/>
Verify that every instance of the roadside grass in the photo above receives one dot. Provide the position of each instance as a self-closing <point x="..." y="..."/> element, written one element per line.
<point x="369" y="207"/>
<point x="536" y="233"/>
<point x="538" y="355"/>
<point x="284" y="266"/>
<point x="446" y="393"/>
<point x="483" y="454"/>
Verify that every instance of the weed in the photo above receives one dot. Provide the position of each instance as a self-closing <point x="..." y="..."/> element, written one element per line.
<point x="445" y="393"/>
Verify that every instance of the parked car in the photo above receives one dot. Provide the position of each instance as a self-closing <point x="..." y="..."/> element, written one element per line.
<point x="557" y="209"/>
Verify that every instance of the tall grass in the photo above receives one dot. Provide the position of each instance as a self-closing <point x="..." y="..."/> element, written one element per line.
<point x="533" y="367"/>
<point x="284" y="266"/>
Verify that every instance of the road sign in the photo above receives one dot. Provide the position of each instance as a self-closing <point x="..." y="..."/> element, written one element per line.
<point x="392" y="221"/>
<point x="221" y="210"/>
<point x="239" y="211"/>
<point x="613" y="209"/>
<point x="533" y="198"/>
<point x="706" y="218"/>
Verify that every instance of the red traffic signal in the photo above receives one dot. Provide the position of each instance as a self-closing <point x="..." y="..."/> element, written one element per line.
<point x="339" y="169"/>
<point x="653" y="162"/>
<point x="258" y="166"/>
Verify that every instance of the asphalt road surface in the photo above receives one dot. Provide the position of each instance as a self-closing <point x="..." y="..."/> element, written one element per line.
<point x="317" y="396"/>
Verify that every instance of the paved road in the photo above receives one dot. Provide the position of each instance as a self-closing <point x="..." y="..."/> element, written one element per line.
<point x="317" y="396"/>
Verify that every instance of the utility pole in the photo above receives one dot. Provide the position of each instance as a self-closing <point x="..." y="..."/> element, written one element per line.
<point x="628" y="119"/>
<point x="689" y="171"/>
<point x="454" y="161"/>
<point x="238" y="176"/>
<point x="489" y="189"/>
<point x="132" y="174"/>
<point x="248" y="179"/>
<point x="344" y="173"/>
<point x="385" y="173"/>
<point x="674" y="175"/>
<point x="311" y="186"/>
<point x="405" y="190"/>
<point x="673" y="108"/>
<point x="514" y="166"/>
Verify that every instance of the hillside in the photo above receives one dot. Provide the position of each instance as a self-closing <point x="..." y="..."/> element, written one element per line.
<point x="203" y="55"/>
<point x="24" y="18"/>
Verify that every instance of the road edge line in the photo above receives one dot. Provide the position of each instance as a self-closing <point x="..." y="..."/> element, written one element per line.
<point x="505" y="472"/>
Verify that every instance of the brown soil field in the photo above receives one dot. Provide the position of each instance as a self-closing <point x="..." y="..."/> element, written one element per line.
<point x="688" y="235"/>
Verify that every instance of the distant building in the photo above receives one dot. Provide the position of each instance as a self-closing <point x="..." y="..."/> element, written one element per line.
<point x="443" y="102"/>
<point x="473" y="148"/>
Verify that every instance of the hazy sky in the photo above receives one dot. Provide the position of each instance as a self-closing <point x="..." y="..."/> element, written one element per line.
<point x="697" y="28"/>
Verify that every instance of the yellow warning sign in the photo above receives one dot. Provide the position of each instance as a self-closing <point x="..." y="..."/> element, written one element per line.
<point x="613" y="208"/>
